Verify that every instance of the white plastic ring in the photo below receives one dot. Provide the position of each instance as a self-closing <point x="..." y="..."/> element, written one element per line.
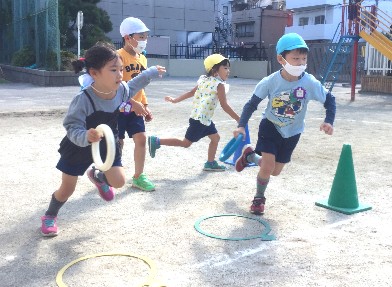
<point x="110" y="149"/>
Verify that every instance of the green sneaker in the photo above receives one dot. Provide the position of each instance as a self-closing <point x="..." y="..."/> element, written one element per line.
<point x="213" y="166"/>
<point x="143" y="183"/>
<point x="153" y="145"/>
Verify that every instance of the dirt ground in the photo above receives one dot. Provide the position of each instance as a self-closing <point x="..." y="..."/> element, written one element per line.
<point x="314" y="246"/>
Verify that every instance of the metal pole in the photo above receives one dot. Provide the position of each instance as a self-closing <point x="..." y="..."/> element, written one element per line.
<point x="79" y="20"/>
<point x="354" y="70"/>
<point x="355" y="59"/>
<point x="78" y="43"/>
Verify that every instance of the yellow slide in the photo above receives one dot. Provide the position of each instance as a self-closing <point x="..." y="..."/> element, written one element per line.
<point x="378" y="41"/>
<point x="374" y="24"/>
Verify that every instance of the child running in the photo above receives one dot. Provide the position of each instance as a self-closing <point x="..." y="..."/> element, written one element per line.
<point x="209" y="90"/>
<point x="98" y="103"/>
<point x="289" y="91"/>
<point x="135" y="33"/>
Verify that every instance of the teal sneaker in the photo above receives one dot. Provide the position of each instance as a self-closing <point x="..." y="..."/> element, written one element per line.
<point x="153" y="145"/>
<point x="213" y="166"/>
<point x="143" y="183"/>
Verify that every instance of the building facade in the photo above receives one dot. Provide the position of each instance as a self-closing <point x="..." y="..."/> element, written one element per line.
<point x="185" y="22"/>
<point x="259" y="23"/>
<point x="317" y="21"/>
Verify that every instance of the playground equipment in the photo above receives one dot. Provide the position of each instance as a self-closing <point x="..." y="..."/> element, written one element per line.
<point x="371" y="24"/>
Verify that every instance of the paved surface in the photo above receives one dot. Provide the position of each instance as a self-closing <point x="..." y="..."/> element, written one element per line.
<point x="18" y="97"/>
<point x="313" y="246"/>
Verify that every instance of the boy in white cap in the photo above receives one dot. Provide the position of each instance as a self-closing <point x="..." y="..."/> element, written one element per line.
<point x="209" y="91"/>
<point x="134" y="33"/>
<point x="289" y="91"/>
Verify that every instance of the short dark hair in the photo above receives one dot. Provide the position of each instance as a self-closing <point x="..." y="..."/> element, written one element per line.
<point x="300" y="50"/>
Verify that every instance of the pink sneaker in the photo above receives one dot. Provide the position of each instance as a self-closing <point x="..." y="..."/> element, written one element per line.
<point x="49" y="225"/>
<point x="241" y="162"/>
<point x="257" y="206"/>
<point x="105" y="191"/>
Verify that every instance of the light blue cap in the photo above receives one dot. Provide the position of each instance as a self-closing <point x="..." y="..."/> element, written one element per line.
<point x="290" y="42"/>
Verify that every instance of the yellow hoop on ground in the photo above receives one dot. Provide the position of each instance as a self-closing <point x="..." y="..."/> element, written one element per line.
<point x="110" y="149"/>
<point x="150" y="282"/>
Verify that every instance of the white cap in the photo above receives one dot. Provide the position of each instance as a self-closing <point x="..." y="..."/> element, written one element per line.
<point x="132" y="25"/>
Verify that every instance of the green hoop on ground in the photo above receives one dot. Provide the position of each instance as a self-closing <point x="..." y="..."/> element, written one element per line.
<point x="110" y="149"/>
<point x="150" y="282"/>
<point x="263" y="236"/>
<point x="230" y="148"/>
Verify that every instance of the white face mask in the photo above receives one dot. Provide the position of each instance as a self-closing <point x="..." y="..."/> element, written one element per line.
<point x="141" y="46"/>
<point x="295" y="71"/>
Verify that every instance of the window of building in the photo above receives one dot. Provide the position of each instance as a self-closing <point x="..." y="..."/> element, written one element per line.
<point x="303" y="21"/>
<point x="319" y="20"/>
<point x="245" y="29"/>
<point x="225" y="10"/>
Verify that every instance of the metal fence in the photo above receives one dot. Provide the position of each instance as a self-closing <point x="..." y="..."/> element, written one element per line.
<point x="36" y="25"/>
<point x="315" y="57"/>
<point x="376" y="63"/>
<point x="178" y="51"/>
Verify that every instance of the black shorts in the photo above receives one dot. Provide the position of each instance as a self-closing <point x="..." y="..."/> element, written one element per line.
<point x="197" y="130"/>
<point x="80" y="168"/>
<point x="271" y="141"/>
<point x="132" y="124"/>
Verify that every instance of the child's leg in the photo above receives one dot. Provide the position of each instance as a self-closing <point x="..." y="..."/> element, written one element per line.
<point x="155" y="143"/>
<point x="115" y="176"/>
<point x="254" y="158"/>
<point x="139" y="153"/>
<point x="60" y="196"/>
<point x="213" y="146"/>
<point x="267" y="165"/>
<point x="278" y="168"/>
<point x="212" y="164"/>
<point x="175" y="142"/>
<point x="67" y="187"/>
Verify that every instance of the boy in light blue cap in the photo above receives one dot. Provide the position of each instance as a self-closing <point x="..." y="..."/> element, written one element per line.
<point x="289" y="92"/>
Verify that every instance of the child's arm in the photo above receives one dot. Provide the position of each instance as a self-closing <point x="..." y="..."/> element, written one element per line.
<point x="247" y="112"/>
<point x="330" y="111"/>
<point x="144" y="78"/>
<point x="185" y="96"/>
<point x="75" y="121"/>
<point x="224" y="104"/>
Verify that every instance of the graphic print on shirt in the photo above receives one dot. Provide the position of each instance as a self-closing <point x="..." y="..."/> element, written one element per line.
<point x="205" y="99"/>
<point x="135" y="69"/>
<point x="288" y="104"/>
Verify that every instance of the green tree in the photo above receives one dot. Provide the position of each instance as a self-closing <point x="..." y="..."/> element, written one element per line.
<point x="96" y="23"/>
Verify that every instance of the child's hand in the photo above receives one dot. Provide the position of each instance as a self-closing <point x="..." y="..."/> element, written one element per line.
<point x="138" y="108"/>
<point x="238" y="131"/>
<point x="161" y="70"/>
<point x="169" y="99"/>
<point x="148" y="117"/>
<point x="327" y="128"/>
<point x="93" y="135"/>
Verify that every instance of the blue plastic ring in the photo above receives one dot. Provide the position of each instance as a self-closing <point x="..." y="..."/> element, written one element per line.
<point x="230" y="148"/>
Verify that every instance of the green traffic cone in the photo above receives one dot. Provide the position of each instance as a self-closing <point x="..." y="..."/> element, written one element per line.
<point x="343" y="196"/>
